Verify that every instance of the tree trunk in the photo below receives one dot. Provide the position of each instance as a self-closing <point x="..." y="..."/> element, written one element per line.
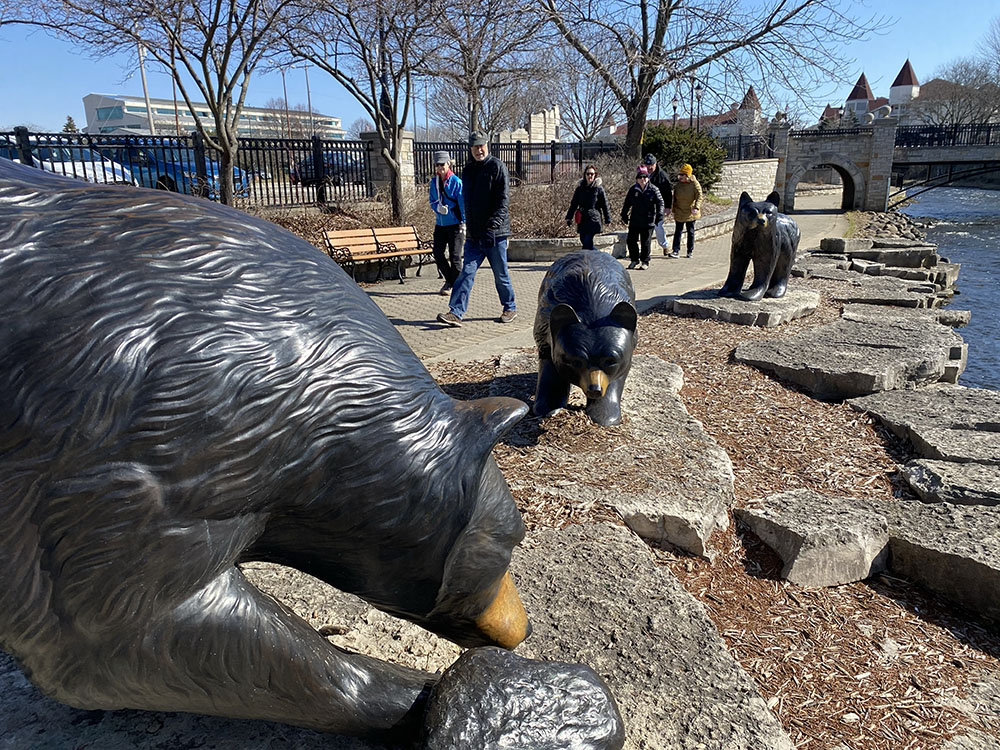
<point x="227" y="158"/>
<point x="636" y="122"/>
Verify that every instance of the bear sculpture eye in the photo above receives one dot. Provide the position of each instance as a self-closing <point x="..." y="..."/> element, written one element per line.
<point x="609" y="363"/>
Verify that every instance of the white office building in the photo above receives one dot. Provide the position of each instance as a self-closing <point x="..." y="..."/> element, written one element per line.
<point x="111" y="113"/>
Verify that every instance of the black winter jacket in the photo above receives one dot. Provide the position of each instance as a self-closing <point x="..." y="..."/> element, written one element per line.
<point x="643" y="208"/>
<point x="662" y="182"/>
<point x="592" y="201"/>
<point x="486" y="199"/>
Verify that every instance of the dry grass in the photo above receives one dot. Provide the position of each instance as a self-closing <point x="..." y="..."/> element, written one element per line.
<point x="871" y="665"/>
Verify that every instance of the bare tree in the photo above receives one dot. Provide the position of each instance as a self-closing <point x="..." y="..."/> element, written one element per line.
<point x="989" y="48"/>
<point x="372" y="48"/>
<point x="488" y="50"/>
<point x="965" y="91"/>
<point x="637" y="46"/>
<point x="501" y="106"/>
<point x="210" y="47"/>
<point x="586" y="103"/>
<point x="359" y="126"/>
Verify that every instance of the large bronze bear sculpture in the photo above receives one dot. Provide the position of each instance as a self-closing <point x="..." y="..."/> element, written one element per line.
<point x="185" y="388"/>
<point x="585" y="332"/>
<point x="770" y="240"/>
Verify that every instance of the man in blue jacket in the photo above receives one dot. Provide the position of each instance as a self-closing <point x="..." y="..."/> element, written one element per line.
<point x="445" y="193"/>
<point x="486" y="198"/>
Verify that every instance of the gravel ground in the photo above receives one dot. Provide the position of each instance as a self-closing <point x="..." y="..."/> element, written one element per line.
<point x="876" y="664"/>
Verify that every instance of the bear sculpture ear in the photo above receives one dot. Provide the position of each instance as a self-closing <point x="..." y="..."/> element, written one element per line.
<point x="562" y="315"/>
<point x="624" y="315"/>
<point x="774" y="198"/>
<point x="745" y="198"/>
<point x="493" y="417"/>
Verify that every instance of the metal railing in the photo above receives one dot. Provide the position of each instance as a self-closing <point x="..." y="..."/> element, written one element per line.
<point x="269" y="171"/>
<point x="526" y="162"/>
<point x="923" y="136"/>
<point x="829" y="132"/>
<point x="744" y="147"/>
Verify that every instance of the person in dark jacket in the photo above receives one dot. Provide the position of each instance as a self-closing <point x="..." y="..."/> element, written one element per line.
<point x="589" y="199"/>
<point x="661" y="181"/>
<point x="642" y="210"/>
<point x="445" y="194"/>
<point x="485" y="206"/>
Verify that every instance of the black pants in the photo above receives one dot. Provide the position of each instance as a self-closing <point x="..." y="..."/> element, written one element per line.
<point x="679" y="227"/>
<point x="587" y="240"/>
<point x="637" y="243"/>
<point x="451" y="265"/>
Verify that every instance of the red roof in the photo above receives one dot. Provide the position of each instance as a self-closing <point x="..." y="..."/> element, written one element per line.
<point x="831" y="113"/>
<point x="861" y="91"/>
<point x="750" y="101"/>
<point x="906" y="76"/>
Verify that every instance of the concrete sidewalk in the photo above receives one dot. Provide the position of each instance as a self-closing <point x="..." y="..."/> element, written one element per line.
<point x="413" y="306"/>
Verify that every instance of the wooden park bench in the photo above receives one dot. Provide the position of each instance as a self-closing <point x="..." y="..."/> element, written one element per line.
<point x="352" y="246"/>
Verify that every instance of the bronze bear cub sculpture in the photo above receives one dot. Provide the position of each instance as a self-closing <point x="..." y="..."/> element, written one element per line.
<point x="186" y="388"/>
<point x="770" y="240"/>
<point x="585" y="333"/>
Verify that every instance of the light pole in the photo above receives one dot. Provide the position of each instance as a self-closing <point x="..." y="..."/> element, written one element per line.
<point x="675" y="102"/>
<point x="698" y="90"/>
<point x="309" y="101"/>
<point x="691" y="105"/>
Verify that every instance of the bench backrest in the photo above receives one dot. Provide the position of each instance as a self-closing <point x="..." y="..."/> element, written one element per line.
<point x="368" y="241"/>
<point x="402" y="238"/>
<point x="357" y="241"/>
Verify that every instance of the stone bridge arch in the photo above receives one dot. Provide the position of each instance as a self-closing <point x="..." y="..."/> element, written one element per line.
<point x="853" y="179"/>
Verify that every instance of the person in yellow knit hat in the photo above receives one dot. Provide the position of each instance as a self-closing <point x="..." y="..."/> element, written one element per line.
<point x="686" y="208"/>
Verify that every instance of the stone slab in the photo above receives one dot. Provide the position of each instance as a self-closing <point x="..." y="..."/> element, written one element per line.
<point x="952" y="482"/>
<point x="596" y="596"/>
<point x="895" y="242"/>
<point x="851" y="358"/>
<point x="707" y="304"/>
<point x="951" y="550"/>
<point x="946" y="316"/>
<point x="918" y="256"/>
<point x="820" y="544"/>
<point x="885" y="290"/>
<point x="844" y="244"/>
<point x="682" y="508"/>
<point x="944" y="422"/>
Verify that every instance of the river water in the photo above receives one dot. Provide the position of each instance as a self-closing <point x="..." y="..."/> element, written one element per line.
<point x="968" y="232"/>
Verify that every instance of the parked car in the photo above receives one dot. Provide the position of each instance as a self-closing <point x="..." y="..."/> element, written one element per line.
<point x="339" y="168"/>
<point x="79" y="162"/>
<point x="170" y="167"/>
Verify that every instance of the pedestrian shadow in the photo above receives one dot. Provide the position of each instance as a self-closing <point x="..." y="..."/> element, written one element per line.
<point x="433" y="325"/>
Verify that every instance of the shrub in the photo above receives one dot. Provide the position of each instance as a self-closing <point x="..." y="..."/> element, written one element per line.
<point x="673" y="147"/>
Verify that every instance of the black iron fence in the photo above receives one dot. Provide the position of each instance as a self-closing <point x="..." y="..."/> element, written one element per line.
<point x="526" y="162"/>
<point x="923" y="136"/>
<point x="743" y="147"/>
<point x="269" y="171"/>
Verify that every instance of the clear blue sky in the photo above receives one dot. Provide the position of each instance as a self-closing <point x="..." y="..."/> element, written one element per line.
<point x="45" y="79"/>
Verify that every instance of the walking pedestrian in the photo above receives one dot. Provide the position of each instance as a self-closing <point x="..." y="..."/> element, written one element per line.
<point x="686" y="207"/>
<point x="661" y="181"/>
<point x="485" y="207"/>
<point x="445" y="194"/>
<point x="588" y="206"/>
<point x="642" y="210"/>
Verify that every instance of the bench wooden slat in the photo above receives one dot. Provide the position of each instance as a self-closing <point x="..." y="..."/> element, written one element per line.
<point x="352" y="246"/>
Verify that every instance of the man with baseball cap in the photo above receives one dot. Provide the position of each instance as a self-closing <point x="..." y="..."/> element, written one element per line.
<point x="445" y="194"/>
<point x="486" y="198"/>
<point x="658" y="179"/>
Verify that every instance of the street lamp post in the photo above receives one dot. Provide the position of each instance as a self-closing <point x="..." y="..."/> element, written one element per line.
<point x="675" y="102"/>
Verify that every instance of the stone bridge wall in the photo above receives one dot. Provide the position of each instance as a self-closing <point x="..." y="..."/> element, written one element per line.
<point x="756" y="176"/>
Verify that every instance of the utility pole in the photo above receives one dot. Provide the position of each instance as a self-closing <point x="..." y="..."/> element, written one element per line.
<point x="309" y="101"/>
<point x="145" y="89"/>
<point x="284" y="91"/>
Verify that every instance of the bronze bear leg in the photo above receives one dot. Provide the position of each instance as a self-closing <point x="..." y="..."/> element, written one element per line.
<point x="551" y="391"/>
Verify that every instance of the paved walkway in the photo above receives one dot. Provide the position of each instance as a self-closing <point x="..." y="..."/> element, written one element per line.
<point x="413" y="307"/>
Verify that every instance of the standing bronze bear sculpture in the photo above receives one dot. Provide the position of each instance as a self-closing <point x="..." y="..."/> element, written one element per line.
<point x="585" y="333"/>
<point x="186" y="388"/>
<point x="770" y="240"/>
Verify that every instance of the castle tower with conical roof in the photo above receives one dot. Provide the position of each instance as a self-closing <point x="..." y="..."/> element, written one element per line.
<point x="858" y="100"/>
<point x="748" y="115"/>
<point x="904" y="90"/>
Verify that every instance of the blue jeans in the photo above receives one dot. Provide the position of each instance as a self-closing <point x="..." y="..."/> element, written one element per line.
<point x="476" y="251"/>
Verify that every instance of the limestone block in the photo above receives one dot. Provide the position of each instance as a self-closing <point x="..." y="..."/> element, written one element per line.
<point x="896" y="242"/>
<point x="596" y="596"/>
<point x="850" y="358"/>
<point x="867" y="266"/>
<point x="886" y="290"/>
<point x="844" y="244"/>
<point x="874" y="313"/>
<point x="942" y="422"/>
<point x="820" y="543"/>
<point x="920" y="256"/>
<point x="683" y="507"/>
<point x="952" y="482"/>
<point x="706" y="304"/>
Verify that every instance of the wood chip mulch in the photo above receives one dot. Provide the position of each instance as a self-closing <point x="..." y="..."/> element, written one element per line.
<point x="876" y="664"/>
